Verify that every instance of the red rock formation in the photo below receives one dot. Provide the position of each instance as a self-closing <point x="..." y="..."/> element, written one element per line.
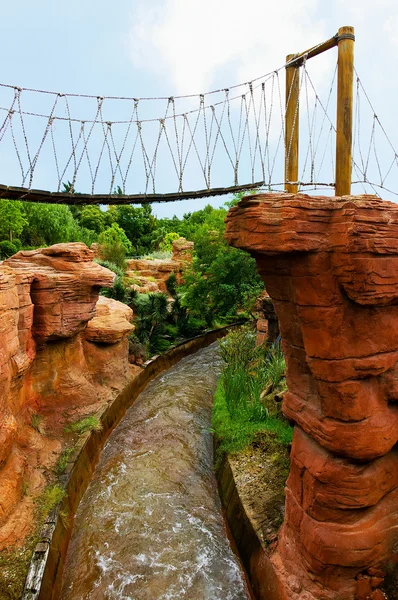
<point x="267" y="324"/>
<point x="61" y="357"/>
<point x="150" y="275"/>
<point x="330" y="266"/>
<point x="182" y="250"/>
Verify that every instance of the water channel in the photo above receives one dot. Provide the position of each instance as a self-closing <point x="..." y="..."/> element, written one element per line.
<point x="150" y="526"/>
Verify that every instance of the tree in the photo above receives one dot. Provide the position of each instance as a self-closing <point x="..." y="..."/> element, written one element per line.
<point x="92" y="217"/>
<point x="12" y="219"/>
<point x="166" y="244"/>
<point x="223" y="288"/>
<point x="49" y="224"/>
<point x="138" y="224"/>
<point x="114" y="245"/>
<point x="222" y="281"/>
<point x="151" y="313"/>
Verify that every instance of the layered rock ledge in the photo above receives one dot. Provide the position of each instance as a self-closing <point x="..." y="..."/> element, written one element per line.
<point x="330" y="266"/>
<point x="151" y="275"/>
<point x="62" y="356"/>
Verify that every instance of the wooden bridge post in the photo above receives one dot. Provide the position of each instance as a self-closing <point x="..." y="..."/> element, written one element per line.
<point x="292" y="125"/>
<point x="345" y="80"/>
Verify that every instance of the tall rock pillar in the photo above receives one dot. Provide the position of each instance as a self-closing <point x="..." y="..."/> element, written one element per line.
<point x="330" y="266"/>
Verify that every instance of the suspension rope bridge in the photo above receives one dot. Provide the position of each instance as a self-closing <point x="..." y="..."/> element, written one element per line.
<point x="115" y="150"/>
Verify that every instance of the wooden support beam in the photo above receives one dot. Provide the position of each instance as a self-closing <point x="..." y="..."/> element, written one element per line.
<point x="292" y="125"/>
<point x="297" y="60"/>
<point x="345" y="80"/>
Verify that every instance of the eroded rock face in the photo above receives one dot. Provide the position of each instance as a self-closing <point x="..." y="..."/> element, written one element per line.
<point x="62" y="355"/>
<point x="182" y="250"/>
<point x="330" y="266"/>
<point x="267" y="324"/>
<point x="64" y="286"/>
<point x="151" y="275"/>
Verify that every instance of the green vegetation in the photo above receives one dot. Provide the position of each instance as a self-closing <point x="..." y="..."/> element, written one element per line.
<point x="219" y="286"/>
<point x="63" y="460"/>
<point x="240" y="412"/>
<point x="49" y="499"/>
<point x="83" y="425"/>
<point x="114" y="245"/>
<point x="12" y="219"/>
<point x="8" y="249"/>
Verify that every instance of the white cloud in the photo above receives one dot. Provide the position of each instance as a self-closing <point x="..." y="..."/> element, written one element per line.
<point x="193" y="47"/>
<point x="196" y="42"/>
<point x="391" y="29"/>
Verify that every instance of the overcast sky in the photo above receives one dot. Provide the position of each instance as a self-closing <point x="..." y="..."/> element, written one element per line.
<point x="169" y="47"/>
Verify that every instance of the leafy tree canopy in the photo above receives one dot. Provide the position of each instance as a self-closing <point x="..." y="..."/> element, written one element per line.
<point x="48" y="224"/>
<point x="92" y="217"/>
<point x="12" y="219"/>
<point x="139" y="224"/>
<point x="113" y="236"/>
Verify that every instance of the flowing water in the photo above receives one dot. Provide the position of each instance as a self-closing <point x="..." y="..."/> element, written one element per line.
<point x="150" y="526"/>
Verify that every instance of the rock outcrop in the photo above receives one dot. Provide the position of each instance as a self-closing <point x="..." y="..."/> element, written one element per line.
<point x="62" y="355"/>
<point x="150" y="275"/>
<point x="267" y="323"/>
<point x="330" y="266"/>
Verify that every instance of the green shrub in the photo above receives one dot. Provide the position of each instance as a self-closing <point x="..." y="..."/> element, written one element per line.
<point x="114" y="245"/>
<point x="234" y="433"/>
<point x="171" y="285"/>
<point x="7" y="249"/>
<point x="158" y="255"/>
<point x="120" y="290"/>
<point x="239" y="348"/>
<point x="166" y="244"/>
<point x="243" y="392"/>
<point x="275" y="365"/>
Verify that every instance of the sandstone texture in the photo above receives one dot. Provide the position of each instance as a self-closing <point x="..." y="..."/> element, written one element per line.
<point x="267" y="323"/>
<point x="62" y="355"/>
<point x="150" y="275"/>
<point x="330" y="266"/>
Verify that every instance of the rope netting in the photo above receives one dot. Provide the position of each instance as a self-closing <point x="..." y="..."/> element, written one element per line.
<point x="169" y="148"/>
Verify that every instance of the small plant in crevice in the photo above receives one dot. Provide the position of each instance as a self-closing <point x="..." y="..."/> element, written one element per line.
<point x="49" y="499"/>
<point x="63" y="460"/>
<point x="36" y="421"/>
<point x="86" y="424"/>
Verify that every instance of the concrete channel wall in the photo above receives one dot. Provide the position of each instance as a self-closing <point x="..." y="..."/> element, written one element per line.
<point x="252" y="554"/>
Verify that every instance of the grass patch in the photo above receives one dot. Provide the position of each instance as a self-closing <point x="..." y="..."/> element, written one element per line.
<point x="234" y="433"/>
<point x="86" y="424"/>
<point x="240" y="412"/>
